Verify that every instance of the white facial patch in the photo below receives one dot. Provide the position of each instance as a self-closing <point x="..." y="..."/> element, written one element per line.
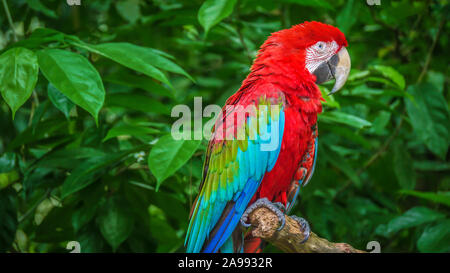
<point x="318" y="53"/>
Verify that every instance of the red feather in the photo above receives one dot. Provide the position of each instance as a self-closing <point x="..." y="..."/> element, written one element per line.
<point x="281" y="62"/>
<point x="279" y="72"/>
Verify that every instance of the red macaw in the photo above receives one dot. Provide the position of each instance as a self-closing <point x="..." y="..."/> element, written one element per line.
<point x="263" y="157"/>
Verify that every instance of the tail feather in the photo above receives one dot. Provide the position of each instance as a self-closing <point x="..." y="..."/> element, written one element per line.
<point x="234" y="244"/>
<point x="253" y="244"/>
<point x="230" y="217"/>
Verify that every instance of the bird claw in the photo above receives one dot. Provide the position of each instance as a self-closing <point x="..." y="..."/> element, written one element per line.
<point x="306" y="230"/>
<point x="278" y="208"/>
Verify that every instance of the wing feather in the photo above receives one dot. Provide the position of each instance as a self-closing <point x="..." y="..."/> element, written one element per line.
<point x="232" y="174"/>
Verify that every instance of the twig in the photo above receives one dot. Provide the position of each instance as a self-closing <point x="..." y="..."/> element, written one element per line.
<point x="10" y="21"/>
<point x="397" y="32"/>
<point x="377" y="155"/>
<point x="430" y="51"/>
<point x="285" y="15"/>
<point x="265" y="224"/>
<point x="34" y="105"/>
<point x="387" y="143"/>
<point x="399" y="125"/>
<point x="241" y="37"/>
<point x="25" y="215"/>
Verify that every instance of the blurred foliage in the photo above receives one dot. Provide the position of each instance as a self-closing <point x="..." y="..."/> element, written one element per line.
<point x="87" y="157"/>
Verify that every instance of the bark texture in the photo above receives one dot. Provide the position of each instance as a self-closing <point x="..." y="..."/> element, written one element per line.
<point x="265" y="224"/>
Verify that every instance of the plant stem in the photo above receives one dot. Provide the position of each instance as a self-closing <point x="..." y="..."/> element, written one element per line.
<point x="43" y="197"/>
<point x="399" y="125"/>
<point x="430" y="51"/>
<point x="10" y="21"/>
<point x="377" y="155"/>
<point x="241" y="37"/>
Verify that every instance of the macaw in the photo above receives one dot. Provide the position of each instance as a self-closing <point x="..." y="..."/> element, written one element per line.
<point x="263" y="157"/>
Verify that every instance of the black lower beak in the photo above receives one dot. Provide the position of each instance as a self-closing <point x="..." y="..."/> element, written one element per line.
<point x="326" y="70"/>
<point x="337" y="67"/>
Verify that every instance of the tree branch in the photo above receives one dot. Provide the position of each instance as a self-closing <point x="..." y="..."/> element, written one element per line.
<point x="265" y="224"/>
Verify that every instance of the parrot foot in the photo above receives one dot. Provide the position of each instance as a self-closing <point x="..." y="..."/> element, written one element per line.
<point x="277" y="208"/>
<point x="305" y="229"/>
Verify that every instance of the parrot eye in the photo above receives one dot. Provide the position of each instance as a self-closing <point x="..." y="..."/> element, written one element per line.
<point x="320" y="46"/>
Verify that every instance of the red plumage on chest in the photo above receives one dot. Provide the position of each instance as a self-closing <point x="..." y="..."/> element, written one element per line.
<point x="298" y="139"/>
<point x="301" y="106"/>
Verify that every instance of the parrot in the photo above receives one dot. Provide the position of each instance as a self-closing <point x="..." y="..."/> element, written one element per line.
<point x="263" y="147"/>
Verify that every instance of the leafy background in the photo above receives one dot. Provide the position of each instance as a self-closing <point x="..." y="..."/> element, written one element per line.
<point x="87" y="92"/>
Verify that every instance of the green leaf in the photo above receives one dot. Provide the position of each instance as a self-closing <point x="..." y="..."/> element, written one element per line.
<point x="129" y="130"/>
<point x="115" y="221"/>
<point x="18" y="76"/>
<point x="398" y="11"/>
<point x="138" y="56"/>
<point x="39" y="113"/>
<point x="436" y="166"/>
<point x="213" y="11"/>
<point x="91" y="241"/>
<point x="82" y="175"/>
<point x="348" y="16"/>
<point x="403" y="168"/>
<point x="329" y="100"/>
<point x="8" y="178"/>
<point x="137" y="102"/>
<point x="49" y="127"/>
<point x="8" y="216"/>
<point x="129" y="10"/>
<point x="356" y="74"/>
<point x="142" y="59"/>
<point x="59" y="100"/>
<point x="438" y="197"/>
<point x="437" y="79"/>
<point x="348" y="134"/>
<point x="364" y="90"/>
<point x="412" y="218"/>
<point x="83" y="215"/>
<point x="38" y="6"/>
<point x="311" y="3"/>
<point x="56" y="226"/>
<point x="75" y="77"/>
<point x="144" y="83"/>
<point x="435" y="238"/>
<point x="168" y="155"/>
<point x="39" y="37"/>
<point x="341" y="163"/>
<point x="167" y="238"/>
<point x="344" y="118"/>
<point x="7" y="162"/>
<point x="89" y="202"/>
<point x="168" y="203"/>
<point x="429" y="117"/>
<point x="366" y="100"/>
<point x="381" y="80"/>
<point x="68" y="158"/>
<point x="391" y="74"/>
<point x="380" y="122"/>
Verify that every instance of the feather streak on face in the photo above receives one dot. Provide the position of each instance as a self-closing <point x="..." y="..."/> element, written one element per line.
<point x="319" y="53"/>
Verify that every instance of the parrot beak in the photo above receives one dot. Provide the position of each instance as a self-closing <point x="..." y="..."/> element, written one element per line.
<point x="337" y="67"/>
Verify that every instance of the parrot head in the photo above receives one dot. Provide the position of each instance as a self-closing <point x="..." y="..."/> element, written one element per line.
<point x="315" y="50"/>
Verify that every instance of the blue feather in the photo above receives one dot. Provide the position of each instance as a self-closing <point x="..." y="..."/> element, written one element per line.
<point x="253" y="164"/>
